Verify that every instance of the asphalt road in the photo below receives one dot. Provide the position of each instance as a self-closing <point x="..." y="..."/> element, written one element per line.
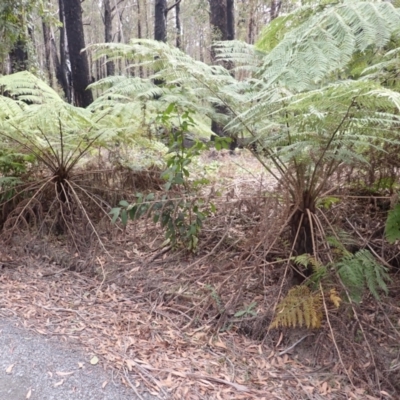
<point x="34" y="367"/>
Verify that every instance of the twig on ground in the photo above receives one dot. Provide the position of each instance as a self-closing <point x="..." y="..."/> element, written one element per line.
<point x="294" y="344"/>
<point x="333" y="335"/>
<point x="132" y="385"/>
<point x="60" y="309"/>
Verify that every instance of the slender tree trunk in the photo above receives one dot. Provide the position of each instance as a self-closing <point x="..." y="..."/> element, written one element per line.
<point x="56" y="63"/>
<point x="108" y="33"/>
<point x="178" y="26"/>
<point x="139" y="30"/>
<point x="79" y="62"/>
<point x="64" y="70"/>
<point x="47" y="51"/>
<point x="275" y="8"/>
<point x="230" y="19"/>
<point x="201" y="45"/>
<point x="251" y="29"/>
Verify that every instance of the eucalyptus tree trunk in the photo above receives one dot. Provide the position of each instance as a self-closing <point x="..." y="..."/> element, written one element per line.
<point x="64" y="71"/>
<point x="252" y="24"/>
<point x="178" y="39"/>
<point x="275" y="8"/>
<point x="161" y="11"/>
<point x="230" y="19"/>
<point x="47" y="51"/>
<point x="108" y="33"/>
<point x="218" y="23"/>
<point x="222" y="22"/>
<point x="53" y="64"/>
<point x="160" y="20"/>
<point x="79" y="61"/>
<point x="139" y="30"/>
<point x="61" y="77"/>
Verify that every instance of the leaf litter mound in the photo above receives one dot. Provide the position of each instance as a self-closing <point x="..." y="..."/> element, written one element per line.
<point x="196" y="327"/>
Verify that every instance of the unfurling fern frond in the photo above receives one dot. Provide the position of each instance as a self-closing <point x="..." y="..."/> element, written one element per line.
<point x="299" y="308"/>
<point x="359" y="271"/>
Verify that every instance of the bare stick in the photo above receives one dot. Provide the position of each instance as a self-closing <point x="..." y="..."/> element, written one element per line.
<point x="333" y="335"/>
<point x="132" y="386"/>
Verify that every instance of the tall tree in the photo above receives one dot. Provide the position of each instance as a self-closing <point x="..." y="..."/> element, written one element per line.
<point x="275" y="8"/>
<point x="64" y="70"/>
<point x="160" y="20"/>
<point x="222" y="23"/>
<point x="230" y="19"/>
<point x="218" y="23"/>
<point x="79" y="61"/>
<point x="47" y="50"/>
<point x="108" y="17"/>
<point x="161" y="11"/>
<point x="178" y="39"/>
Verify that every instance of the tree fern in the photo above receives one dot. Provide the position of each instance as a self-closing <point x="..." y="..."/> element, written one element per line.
<point x="303" y="101"/>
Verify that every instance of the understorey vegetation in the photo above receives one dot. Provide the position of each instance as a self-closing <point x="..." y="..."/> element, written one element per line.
<point x="304" y="236"/>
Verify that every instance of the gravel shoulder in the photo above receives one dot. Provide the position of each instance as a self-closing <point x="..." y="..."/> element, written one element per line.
<point x="34" y="367"/>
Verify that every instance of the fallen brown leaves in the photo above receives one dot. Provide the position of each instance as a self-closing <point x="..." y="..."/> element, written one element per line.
<point x="174" y="324"/>
<point x="143" y="340"/>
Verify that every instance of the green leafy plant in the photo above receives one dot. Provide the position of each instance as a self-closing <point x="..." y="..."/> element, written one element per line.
<point x="179" y="211"/>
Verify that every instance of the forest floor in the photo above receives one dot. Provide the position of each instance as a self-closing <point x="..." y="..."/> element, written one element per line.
<point x="196" y="326"/>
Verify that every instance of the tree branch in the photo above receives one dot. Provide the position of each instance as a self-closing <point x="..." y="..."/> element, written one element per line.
<point x="170" y="8"/>
<point x="116" y="5"/>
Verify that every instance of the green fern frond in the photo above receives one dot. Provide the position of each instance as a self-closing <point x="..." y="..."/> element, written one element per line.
<point x="306" y="260"/>
<point x="360" y="271"/>
<point x="276" y="30"/>
<point x="243" y="55"/>
<point x="10" y="108"/>
<point x="326" y="41"/>
<point x="339" y="241"/>
<point x="392" y="228"/>
<point x="26" y="87"/>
